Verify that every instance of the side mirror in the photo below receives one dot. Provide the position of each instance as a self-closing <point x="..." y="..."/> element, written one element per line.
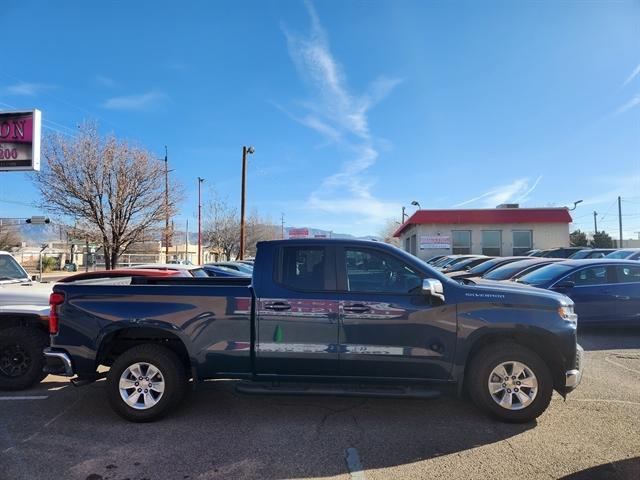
<point x="564" y="285"/>
<point x="433" y="287"/>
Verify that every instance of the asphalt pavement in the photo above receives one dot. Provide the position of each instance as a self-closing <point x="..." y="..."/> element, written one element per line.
<point x="57" y="431"/>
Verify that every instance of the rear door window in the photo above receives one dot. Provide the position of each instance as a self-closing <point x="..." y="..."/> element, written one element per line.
<point x="304" y="268"/>
<point x="628" y="274"/>
<point x="589" y="276"/>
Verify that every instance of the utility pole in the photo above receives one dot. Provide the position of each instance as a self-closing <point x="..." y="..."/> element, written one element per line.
<point x="282" y="225"/>
<point x="166" y="205"/>
<point x="620" y="220"/>
<point x="245" y="151"/>
<point x="595" y="222"/>
<point x="186" y="242"/>
<point x="200" y="180"/>
<point x="403" y="216"/>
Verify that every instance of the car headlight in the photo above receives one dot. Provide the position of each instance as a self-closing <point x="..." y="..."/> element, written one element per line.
<point x="567" y="313"/>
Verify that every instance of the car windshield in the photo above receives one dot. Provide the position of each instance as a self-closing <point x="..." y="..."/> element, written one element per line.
<point x="11" y="270"/>
<point x="581" y="254"/>
<point x="485" y="266"/>
<point x="545" y="274"/>
<point x="620" y="254"/>
<point x="198" y="272"/>
<point x="507" y="271"/>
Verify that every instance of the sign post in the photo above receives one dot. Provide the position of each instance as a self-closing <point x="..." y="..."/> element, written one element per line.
<point x="20" y="141"/>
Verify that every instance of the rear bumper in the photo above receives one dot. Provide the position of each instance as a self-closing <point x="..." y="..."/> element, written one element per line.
<point x="574" y="376"/>
<point x="58" y="362"/>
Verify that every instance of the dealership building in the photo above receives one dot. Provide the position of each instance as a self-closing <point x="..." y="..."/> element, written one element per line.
<point x="505" y="230"/>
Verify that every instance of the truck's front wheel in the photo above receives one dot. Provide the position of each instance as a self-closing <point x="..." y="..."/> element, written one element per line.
<point x="145" y="383"/>
<point x="510" y="382"/>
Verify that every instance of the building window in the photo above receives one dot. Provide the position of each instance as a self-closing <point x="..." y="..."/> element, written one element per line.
<point x="492" y="242"/>
<point x="461" y="242"/>
<point x="407" y="244"/>
<point x="522" y="241"/>
<point x="413" y="249"/>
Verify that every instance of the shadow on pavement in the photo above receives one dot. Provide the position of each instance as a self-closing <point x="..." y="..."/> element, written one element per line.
<point x="621" y="470"/>
<point x="609" y="338"/>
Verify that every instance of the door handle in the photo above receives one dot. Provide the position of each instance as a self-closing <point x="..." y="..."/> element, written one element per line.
<point x="356" y="308"/>
<point x="277" y="306"/>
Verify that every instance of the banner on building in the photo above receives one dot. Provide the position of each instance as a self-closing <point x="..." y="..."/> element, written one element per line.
<point x="440" y="242"/>
<point x="20" y="141"/>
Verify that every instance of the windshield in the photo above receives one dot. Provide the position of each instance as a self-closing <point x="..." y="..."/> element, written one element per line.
<point x="545" y="274"/>
<point x="485" y="266"/>
<point x="11" y="270"/>
<point x="620" y="254"/>
<point x="198" y="272"/>
<point x="580" y="254"/>
<point x="507" y="271"/>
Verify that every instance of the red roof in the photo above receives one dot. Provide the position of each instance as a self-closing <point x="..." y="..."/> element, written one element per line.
<point x="487" y="216"/>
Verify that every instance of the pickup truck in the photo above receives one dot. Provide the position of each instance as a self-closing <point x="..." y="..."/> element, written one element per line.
<point x="335" y="316"/>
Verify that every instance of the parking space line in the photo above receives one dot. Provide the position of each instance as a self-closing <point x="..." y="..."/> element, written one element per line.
<point x="605" y="400"/>
<point x="34" y="397"/>
<point x="607" y="359"/>
<point x="353" y="464"/>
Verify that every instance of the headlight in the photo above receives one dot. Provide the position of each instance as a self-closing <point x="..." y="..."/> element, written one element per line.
<point x="567" y="313"/>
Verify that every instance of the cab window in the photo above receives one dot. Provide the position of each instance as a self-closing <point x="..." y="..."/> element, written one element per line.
<point x="377" y="272"/>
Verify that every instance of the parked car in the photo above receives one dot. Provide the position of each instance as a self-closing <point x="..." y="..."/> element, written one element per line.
<point x="464" y="265"/>
<point x="625" y="253"/>
<point x="220" y="271"/>
<point x="319" y="310"/>
<point x="121" y="276"/>
<point x="605" y="291"/>
<point x="435" y="259"/>
<point x="24" y="311"/>
<point x="561" y="252"/>
<point x="451" y="259"/>
<point x="238" y="266"/>
<point x="183" y="270"/>
<point x="484" y="267"/>
<point x="518" y="268"/>
<point x="591" y="253"/>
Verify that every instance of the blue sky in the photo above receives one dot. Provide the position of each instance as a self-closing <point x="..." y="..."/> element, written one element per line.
<point x="355" y="108"/>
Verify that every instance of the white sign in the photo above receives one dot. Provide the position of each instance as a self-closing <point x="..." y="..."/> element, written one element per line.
<point x="440" y="242"/>
<point x="20" y="141"/>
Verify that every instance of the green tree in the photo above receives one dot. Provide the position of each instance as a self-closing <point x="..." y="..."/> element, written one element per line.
<point x="601" y="240"/>
<point x="578" y="238"/>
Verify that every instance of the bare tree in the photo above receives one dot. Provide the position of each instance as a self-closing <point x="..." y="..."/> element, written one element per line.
<point x="258" y="230"/>
<point x="8" y="238"/>
<point x="114" y="190"/>
<point x="221" y="225"/>
<point x="387" y="231"/>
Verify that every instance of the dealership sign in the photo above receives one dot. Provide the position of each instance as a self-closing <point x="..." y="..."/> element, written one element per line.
<point x="298" y="233"/>
<point x="428" y="242"/>
<point x="20" y="141"/>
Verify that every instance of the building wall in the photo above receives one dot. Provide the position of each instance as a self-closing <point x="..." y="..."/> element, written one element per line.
<point x="545" y="235"/>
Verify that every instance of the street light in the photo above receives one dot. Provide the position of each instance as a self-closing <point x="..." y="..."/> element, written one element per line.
<point x="200" y="180"/>
<point x="245" y="151"/>
<point x="416" y="203"/>
<point x="575" y="204"/>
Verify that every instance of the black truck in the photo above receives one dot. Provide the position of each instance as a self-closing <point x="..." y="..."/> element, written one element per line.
<point x="319" y="316"/>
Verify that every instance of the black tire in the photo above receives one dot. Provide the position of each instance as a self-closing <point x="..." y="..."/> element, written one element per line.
<point x="172" y="372"/>
<point x="21" y="357"/>
<point x="490" y="357"/>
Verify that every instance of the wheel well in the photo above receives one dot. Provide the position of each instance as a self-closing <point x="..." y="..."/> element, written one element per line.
<point x="24" y="320"/>
<point x="534" y="342"/>
<point x="118" y="342"/>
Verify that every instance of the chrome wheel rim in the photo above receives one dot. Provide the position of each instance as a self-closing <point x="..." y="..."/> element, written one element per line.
<point x="513" y="385"/>
<point x="141" y="385"/>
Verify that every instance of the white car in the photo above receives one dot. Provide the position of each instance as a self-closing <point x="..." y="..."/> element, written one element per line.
<point x="24" y="325"/>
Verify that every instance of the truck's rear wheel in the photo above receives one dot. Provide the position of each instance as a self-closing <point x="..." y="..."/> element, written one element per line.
<point x="510" y="382"/>
<point x="145" y="383"/>
<point x="21" y="357"/>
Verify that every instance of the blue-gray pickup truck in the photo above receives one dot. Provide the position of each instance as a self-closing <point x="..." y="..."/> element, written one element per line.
<point x="319" y="316"/>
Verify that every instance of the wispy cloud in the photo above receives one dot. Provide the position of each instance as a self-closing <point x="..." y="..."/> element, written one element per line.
<point x="518" y="191"/>
<point x="341" y="117"/>
<point x="139" y="102"/>
<point x="26" y="89"/>
<point x="105" y="81"/>
<point x="632" y="76"/>
<point x="632" y="103"/>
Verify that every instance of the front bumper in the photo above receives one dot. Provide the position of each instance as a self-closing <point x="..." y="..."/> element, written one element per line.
<point x="574" y="376"/>
<point x="58" y="363"/>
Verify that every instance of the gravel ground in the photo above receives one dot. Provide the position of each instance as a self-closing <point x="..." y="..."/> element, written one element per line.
<point x="72" y="433"/>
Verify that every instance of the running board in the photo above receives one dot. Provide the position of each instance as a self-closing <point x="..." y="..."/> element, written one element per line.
<point x="374" y="391"/>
